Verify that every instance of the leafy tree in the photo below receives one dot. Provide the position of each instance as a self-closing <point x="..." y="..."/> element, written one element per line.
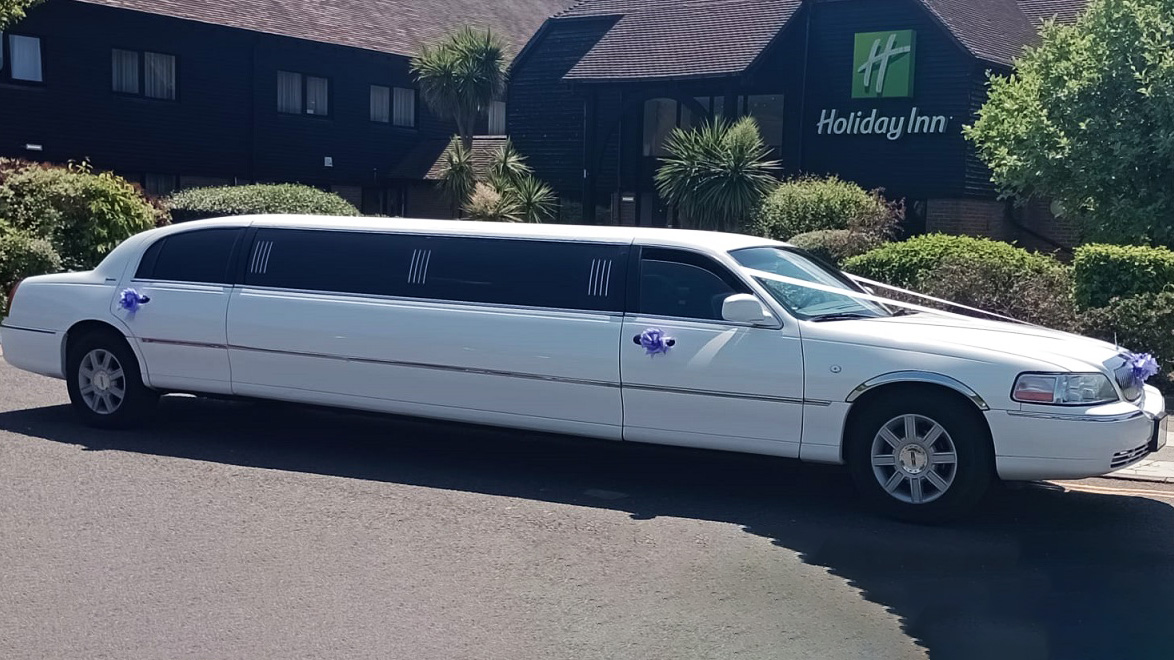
<point x="12" y="11"/>
<point x="1087" y="119"/>
<point x="716" y="174"/>
<point x="460" y="76"/>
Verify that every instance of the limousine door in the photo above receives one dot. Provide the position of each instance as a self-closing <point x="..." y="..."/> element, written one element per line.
<point x="180" y="332"/>
<point x="496" y="331"/>
<point x="720" y="385"/>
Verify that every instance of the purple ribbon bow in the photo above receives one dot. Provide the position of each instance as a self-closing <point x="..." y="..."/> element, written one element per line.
<point x="1144" y="366"/>
<point x="654" y="341"/>
<point x="131" y="300"/>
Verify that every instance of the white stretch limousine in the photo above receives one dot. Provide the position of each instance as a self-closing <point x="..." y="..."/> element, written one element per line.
<point x="648" y="335"/>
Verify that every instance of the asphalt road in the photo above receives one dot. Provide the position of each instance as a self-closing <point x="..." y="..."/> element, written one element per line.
<point x="262" y="531"/>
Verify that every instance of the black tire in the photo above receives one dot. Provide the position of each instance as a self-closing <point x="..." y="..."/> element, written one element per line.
<point x="137" y="402"/>
<point x="962" y="427"/>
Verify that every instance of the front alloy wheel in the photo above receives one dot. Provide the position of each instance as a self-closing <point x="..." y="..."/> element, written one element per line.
<point x="913" y="459"/>
<point x="920" y="454"/>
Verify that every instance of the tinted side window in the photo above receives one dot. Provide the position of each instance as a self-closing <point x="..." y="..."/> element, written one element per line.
<point x="346" y="262"/>
<point x="480" y="270"/>
<point x="195" y="256"/>
<point x="522" y="272"/>
<point x="685" y="285"/>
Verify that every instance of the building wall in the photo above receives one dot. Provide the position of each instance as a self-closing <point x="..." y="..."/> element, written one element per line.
<point x="917" y="166"/>
<point x="545" y="115"/>
<point x="224" y="124"/>
<point x="973" y="217"/>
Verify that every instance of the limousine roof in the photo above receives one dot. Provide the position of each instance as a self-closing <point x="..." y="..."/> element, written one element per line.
<point x="589" y="233"/>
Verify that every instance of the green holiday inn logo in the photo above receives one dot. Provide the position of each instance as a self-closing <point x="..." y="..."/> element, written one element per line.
<point x="882" y="64"/>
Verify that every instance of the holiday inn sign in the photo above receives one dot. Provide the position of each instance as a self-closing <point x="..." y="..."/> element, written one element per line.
<point x="882" y="68"/>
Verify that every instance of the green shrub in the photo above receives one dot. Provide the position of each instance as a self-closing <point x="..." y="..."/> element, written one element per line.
<point x="812" y="204"/>
<point x="200" y="203"/>
<point x="83" y="214"/>
<point x="905" y="264"/>
<point x="836" y="245"/>
<point x="1104" y="272"/>
<point x="23" y="255"/>
<point x="1143" y="323"/>
<point x="1036" y="295"/>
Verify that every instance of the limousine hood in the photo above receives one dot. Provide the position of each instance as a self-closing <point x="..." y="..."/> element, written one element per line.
<point x="974" y="339"/>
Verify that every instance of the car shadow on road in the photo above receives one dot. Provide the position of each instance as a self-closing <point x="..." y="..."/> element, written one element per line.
<point x="1039" y="573"/>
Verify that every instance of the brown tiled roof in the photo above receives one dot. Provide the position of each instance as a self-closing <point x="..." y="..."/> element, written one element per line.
<point x="1064" y="11"/>
<point x="672" y="39"/>
<point x="682" y="39"/>
<point x="386" y="26"/>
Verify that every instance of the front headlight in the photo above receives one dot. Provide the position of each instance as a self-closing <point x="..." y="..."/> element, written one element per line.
<point x="1064" y="389"/>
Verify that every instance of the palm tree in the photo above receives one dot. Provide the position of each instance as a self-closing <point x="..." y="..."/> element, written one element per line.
<point x="716" y="174"/>
<point x="535" y="200"/>
<point x="457" y="176"/>
<point x="460" y="76"/>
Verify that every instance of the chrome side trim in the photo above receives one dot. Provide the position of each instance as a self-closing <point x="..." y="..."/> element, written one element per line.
<point x="426" y="365"/>
<point x="918" y="377"/>
<point x="189" y="344"/>
<point x="36" y="330"/>
<point x="1077" y="418"/>
<point x="726" y="395"/>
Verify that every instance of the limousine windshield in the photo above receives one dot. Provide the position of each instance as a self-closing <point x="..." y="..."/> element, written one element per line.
<point x="803" y="302"/>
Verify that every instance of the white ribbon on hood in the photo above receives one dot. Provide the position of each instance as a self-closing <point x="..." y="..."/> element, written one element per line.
<point x="882" y="300"/>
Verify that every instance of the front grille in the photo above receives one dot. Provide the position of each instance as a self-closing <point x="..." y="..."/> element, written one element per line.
<point x="1123" y="458"/>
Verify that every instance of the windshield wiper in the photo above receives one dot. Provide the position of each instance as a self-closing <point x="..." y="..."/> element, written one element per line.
<point x="841" y="316"/>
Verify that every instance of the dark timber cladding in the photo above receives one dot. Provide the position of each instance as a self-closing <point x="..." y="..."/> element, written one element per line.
<point x="224" y="124"/>
<point x="875" y="91"/>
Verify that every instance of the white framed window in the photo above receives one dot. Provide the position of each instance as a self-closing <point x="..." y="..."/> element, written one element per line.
<point x="404" y="110"/>
<point x="124" y="69"/>
<point x="143" y="73"/>
<point x="380" y="104"/>
<point x="159" y="76"/>
<point x="497" y="118"/>
<point x="24" y="57"/>
<point x="317" y="96"/>
<point x="289" y="92"/>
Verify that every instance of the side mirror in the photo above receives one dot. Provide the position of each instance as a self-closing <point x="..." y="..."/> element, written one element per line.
<point x="745" y="308"/>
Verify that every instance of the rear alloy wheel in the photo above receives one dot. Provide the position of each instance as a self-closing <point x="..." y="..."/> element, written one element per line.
<point x="921" y="458"/>
<point x="105" y="386"/>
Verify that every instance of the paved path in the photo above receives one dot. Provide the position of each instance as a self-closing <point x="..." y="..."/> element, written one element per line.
<point x="248" y="531"/>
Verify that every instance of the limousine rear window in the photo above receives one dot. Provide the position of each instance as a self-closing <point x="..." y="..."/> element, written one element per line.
<point x="199" y="256"/>
<point x="518" y="272"/>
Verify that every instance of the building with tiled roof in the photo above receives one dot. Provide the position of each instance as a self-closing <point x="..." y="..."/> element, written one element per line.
<point x="875" y="91"/>
<point x="180" y="93"/>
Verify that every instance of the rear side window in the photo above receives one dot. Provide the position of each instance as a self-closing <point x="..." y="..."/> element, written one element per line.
<point x="478" y="270"/>
<point x="684" y="285"/>
<point x="554" y="274"/>
<point x="200" y="256"/>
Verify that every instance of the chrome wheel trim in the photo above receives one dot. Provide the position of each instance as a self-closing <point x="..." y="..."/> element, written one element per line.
<point x="914" y="459"/>
<point x="101" y="381"/>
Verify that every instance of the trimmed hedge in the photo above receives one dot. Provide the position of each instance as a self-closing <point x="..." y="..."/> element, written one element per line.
<point x="1104" y="272"/>
<point x="83" y="214"/>
<point x="1140" y="323"/>
<point x="905" y="264"/>
<point x="1041" y="296"/>
<point x="810" y="204"/>
<point x="201" y="203"/>
<point x="836" y="245"/>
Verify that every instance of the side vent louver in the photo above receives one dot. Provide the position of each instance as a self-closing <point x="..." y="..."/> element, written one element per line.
<point x="418" y="271"/>
<point x="600" y="281"/>
<point x="259" y="264"/>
